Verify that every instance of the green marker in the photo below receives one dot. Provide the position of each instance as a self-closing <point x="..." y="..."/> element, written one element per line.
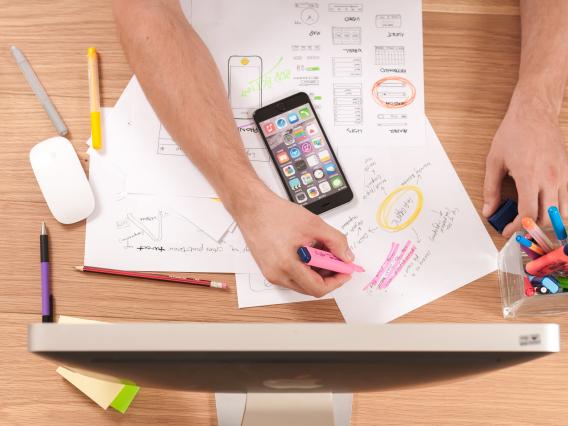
<point x="562" y="281"/>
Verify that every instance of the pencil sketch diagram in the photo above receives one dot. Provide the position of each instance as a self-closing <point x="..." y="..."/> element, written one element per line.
<point x="308" y="13"/>
<point x="346" y="35"/>
<point x="166" y="145"/>
<point x="392" y="120"/>
<point x="389" y="56"/>
<point x="346" y="67"/>
<point x="345" y="7"/>
<point x="133" y="230"/>
<point x="388" y="21"/>
<point x="244" y="84"/>
<point x="393" y="92"/>
<point x="347" y="104"/>
<point x="391" y="267"/>
<point x="400" y="208"/>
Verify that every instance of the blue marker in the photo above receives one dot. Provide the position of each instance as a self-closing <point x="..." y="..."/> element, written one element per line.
<point x="558" y="225"/>
<point x="529" y="244"/>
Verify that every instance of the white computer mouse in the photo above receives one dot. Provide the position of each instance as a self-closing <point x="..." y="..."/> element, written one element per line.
<point x="62" y="180"/>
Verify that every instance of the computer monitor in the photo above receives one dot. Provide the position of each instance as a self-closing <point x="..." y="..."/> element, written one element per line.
<point x="258" y="359"/>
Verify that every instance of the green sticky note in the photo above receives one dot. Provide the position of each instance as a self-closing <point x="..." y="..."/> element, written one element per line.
<point x="124" y="398"/>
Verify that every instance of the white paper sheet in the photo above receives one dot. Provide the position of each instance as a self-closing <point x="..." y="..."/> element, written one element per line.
<point x="413" y="228"/>
<point x="144" y="232"/>
<point x="447" y="245"/>
<point x="361" y="63"/>
<point x="255" y="290"/>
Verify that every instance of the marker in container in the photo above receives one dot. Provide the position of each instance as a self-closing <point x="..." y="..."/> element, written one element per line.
<point x="548" y="282"/>
<point x="325" y="260"/>
<point x="529" y="289"/>
<point x="529" y="244"/>
<point x="558" y="225"/>
<point x="562" y="282"/>
<point x="530" y="253"/>
<point x="537" y="233"/>
<point x="550" y="263"/>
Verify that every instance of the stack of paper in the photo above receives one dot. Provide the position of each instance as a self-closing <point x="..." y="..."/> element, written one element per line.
<point x="411" y="225"/>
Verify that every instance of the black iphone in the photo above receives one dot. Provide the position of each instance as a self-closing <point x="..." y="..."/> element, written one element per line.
<point x="302" y="154"/>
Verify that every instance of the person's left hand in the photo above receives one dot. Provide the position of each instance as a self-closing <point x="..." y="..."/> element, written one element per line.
<point x="529" y="146"/>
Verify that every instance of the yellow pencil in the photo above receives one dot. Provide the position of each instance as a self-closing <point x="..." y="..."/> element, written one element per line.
<point x="94" y="98"/>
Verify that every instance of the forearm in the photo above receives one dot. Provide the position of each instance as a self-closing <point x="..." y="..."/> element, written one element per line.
<point x="544" y="53"/>
<point x="181" y="81"/>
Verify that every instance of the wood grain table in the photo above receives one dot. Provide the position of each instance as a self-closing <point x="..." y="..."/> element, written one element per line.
<point x="471" y="51"/>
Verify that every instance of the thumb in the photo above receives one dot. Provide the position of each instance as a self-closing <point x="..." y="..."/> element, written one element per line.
<point x="335" y="241"/>
<point x="494" y="174"/>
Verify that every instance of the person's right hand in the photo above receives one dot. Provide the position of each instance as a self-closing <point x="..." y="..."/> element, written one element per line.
<point x="275" y="229"/>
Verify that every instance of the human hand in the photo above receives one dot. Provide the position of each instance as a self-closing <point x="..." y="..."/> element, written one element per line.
<point x="529" y="146"/>
<point x="274" y="229"/>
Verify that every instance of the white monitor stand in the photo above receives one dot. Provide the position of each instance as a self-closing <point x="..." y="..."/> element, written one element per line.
<point x="274" y="409"/>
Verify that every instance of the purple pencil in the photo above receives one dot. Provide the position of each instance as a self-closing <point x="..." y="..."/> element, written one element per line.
<point x="46" y="299"/>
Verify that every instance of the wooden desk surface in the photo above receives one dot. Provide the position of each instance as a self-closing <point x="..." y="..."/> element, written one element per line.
<point x="471" y="53"/>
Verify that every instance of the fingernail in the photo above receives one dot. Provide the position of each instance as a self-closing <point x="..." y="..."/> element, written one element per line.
<point x="485" y="209"/>
<point x="349" y="255"/>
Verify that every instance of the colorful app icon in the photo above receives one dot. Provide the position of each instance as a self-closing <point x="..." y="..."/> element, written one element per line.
<point x="301" y="197"/>
<point x="324" y="155"/>
<point x="312" y="192"/>
<point x="288" y="170"/>
<point x="294" y="184"/>
<point x="299" y="134"/>
<point x="269" y="128"/>
<point x="281" y="123"/>
<point x="294" y="152"/>
<point x="330" y="168"/>
<point x="318" y="142"/>
<point x="293" y="117"/>
<point x="300" y="165"/>
<point x="282" y="157"/>
<point x="318" y="173"/>
<point x="324" y="187"/>
<point x="311" y="129"/>
<point x="336" y="182"/>
<point x="312" y="160"/>
<point x="288" y="139"/>
<point x="306" y="147"/>
<point x="304" y="113"/>
<point x="307" y="178"/>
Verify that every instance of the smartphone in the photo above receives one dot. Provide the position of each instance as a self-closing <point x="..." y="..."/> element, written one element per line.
<point x="244" y="81"/>
<point x="302" y="154"/>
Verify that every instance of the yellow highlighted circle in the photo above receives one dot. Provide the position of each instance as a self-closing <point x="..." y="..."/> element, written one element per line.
<point x="390" y="202"/>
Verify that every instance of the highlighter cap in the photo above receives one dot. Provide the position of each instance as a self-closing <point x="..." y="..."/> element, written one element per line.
<point x="504" y="215"/>
<point x="557" y="224"/>
<point x="304" y="254"/>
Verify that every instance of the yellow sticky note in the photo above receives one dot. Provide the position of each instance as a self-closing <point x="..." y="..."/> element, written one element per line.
<point x="103" y="389"/>
<point x="103" y="392"/>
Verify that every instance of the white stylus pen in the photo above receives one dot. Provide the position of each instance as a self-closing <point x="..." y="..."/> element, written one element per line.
<point x="39" y="91"/>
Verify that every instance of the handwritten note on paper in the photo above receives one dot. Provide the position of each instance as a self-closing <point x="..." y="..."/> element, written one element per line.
<point x="413" y="228"/>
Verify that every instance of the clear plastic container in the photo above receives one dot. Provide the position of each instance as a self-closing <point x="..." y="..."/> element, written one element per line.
<point x="516" y="304"/>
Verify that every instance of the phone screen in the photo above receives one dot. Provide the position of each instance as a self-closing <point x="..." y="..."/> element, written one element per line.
<point x="303" y="156"/>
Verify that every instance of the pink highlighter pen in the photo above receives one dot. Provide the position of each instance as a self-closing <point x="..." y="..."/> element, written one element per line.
<point x="325" y="260"/>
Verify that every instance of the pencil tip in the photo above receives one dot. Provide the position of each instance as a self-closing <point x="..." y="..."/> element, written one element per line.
<point x="79" y="268"/>
<point x="43" y="228"/>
